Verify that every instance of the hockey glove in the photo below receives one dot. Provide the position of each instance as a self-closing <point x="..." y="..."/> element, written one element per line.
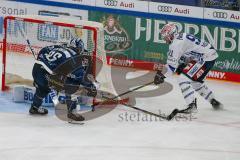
<point x="159" y="78"/>
<point x="180" y="68"/>
<point x="56" y="82"/>
<point x="92" y="91"/>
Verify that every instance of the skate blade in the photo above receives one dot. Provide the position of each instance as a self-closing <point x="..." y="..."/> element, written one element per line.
<point x="220" y="107"/>
<point x="75" y="122"/>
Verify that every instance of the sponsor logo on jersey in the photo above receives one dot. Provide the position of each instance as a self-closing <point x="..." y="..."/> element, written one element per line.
<point x="165" y="8"/>
<point x="112" y="3"/>
<point x="193" y="70"/>
<point x="221" y="15"/>
<point x="199" y="73"/>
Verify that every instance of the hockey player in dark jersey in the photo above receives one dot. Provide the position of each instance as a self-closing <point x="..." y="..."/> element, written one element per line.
<point x="50" y="62"/>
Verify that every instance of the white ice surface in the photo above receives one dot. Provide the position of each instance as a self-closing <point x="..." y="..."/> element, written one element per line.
<point x="213" y="135"/>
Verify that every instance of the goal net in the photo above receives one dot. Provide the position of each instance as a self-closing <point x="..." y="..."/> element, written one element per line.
<point x="41" y="31"/>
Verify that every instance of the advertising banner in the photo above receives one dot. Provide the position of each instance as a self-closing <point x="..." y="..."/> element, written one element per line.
<point x="222" y="15"/>
<point x="80" y="2"/>
<point x="18" y="8"/>
<point x="138" y="40"/>
<point x="177" y="10"/>
<point x="131" y="5"/>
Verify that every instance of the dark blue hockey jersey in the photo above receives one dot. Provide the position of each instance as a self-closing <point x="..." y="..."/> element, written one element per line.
<point x="51" y="57"/>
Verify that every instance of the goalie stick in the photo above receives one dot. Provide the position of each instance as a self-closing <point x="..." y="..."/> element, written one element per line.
<point x="26" y="38"/>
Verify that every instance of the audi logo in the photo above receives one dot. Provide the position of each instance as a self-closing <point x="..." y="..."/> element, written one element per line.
<point x="110" y="3"/>
<point x="165" y="8"/>
<point x="223" y="15"/>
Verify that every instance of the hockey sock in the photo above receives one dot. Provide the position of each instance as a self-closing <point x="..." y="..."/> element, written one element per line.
<point x="37" y="101"/>
<point x="203" y="90"/>
<point x="186" y="88"/>
<point x="39" y="96"/>
<point x="71" y="105"/>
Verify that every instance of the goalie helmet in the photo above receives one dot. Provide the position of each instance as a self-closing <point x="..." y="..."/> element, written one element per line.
<point x="168" y="32"/>
<point x="78" y="44"/>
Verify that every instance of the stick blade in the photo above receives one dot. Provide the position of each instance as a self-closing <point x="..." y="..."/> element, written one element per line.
<point x="173" y="114"/>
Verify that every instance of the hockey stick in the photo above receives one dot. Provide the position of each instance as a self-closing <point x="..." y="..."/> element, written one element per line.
<point x="131" y="106"/>
<point x="27" y="40"/>
<point x="175" y="112"/>
<point x="139" y="109"/>
<point x="124" y="93"/>
<point x="169" y="117"/>
<point x="183" y="111"/>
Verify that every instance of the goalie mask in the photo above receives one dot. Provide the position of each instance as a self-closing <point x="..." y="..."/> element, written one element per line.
<point x="168" y="32"/>
<point x="78" y="44"/>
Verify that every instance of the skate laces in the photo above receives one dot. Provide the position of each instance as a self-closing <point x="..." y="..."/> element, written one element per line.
<point x="41" y="109"/>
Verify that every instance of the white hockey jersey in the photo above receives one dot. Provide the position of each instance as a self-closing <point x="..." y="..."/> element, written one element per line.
<point x="187" y="46"/>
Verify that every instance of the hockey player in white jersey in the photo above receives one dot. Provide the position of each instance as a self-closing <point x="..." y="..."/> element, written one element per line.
<point x="192" y="59"/>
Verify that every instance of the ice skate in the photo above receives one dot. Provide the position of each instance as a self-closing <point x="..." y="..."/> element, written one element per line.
<point x="74" y="117"/>
<point x="38" y="110"/>
<point x="216" y="104"/>
<point x="192" y="108"/>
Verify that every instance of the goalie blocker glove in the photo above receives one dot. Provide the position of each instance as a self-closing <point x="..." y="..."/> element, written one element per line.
<point x="92" y="91"/>
<point x="159" y="78"/>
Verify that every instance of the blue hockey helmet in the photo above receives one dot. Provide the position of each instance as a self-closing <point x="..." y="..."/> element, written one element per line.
<point x="77" y="43"/>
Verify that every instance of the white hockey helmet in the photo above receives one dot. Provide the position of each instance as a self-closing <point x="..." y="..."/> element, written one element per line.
<point x="168" y="32"/>
<point x="77" y="43"/>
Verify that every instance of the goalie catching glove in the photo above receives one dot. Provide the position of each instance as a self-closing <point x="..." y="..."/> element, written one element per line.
<point x="159" y="78"/>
